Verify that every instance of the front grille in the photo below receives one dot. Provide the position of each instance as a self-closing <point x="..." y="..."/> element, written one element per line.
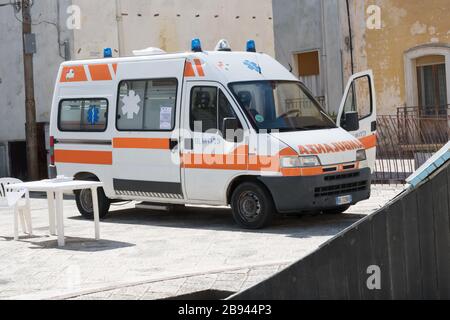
<point x="342" y="176"/>
<point x="342" y="189"/>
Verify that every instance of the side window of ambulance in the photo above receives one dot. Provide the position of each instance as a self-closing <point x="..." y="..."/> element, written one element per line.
<point x="83" y="115"/>
<point x="147" y="105"/>
<point x="209" y="107"/>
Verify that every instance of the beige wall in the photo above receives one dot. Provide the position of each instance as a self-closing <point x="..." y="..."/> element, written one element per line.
<point x="155" y="23"/>
<point x="405" y="25"/>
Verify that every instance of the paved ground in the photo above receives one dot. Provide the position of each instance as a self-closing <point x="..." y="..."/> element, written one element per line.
<point x="151" y="255"/>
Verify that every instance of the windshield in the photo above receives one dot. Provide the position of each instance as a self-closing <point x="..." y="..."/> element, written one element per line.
<point x="280" y="105"/>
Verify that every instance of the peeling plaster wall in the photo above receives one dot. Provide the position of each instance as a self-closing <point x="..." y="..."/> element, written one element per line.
<point x="405" y="25"/>
<point x="98" y="29"/>
<point x="171" y="25"/>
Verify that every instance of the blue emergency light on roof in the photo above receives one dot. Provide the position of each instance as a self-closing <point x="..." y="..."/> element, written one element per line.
<point x="107" y="53"/>
<point x="251" y="46"/>
<point x="196" y="45"/>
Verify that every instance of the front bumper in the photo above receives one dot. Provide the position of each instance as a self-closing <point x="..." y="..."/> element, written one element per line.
<point x="295" y="194"/>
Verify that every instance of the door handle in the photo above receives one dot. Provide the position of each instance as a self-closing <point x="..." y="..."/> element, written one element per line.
<point x="373" y="126"/>
<point x="173" y="144"/>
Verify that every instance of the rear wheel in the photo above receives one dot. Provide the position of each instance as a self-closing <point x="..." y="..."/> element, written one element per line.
<point x="84" y="202"/>
<point x="252" y="206"/>
<point x="338" y="210"/>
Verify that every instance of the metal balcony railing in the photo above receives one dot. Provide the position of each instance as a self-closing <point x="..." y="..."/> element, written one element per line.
<point x="407" y="140"/>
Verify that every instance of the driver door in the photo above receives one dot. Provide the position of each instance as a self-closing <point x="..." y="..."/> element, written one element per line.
<point x="359" y="96"/>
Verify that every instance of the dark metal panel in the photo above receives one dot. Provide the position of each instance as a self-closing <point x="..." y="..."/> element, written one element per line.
<point x="412" y="252"/>
<point x="442" y="235"/>
<point x="381" y="254"/>
<point x="427" y="245"/>
<point x="338" y="274"/>
<point x="365" y="258"/>
<point x="322" y="271"/>
<point x="305" y="280"/>
<point x="396" y="249"/>
<point x="350" y="251"/>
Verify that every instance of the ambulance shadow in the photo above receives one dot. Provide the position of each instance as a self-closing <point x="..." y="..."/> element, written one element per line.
<point x="221" y="219"/>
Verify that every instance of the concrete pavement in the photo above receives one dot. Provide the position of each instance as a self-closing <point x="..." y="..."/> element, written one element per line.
<point x="151" y="255"/>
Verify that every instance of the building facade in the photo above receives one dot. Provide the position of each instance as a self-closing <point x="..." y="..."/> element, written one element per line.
<point x="53" y="41"/>
<point x="405" y="43"/>
<point x="410" y="53"/>
<point x="81" y="29"/>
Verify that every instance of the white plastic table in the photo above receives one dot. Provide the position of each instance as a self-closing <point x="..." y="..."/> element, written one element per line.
<point x="55" y="189"/>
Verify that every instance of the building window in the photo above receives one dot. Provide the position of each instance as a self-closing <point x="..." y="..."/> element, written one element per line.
<point x="83" y="115"/>
<point x="431" y="83"/>
<point x="147" y="105"/>
<point x="308" y="64"/>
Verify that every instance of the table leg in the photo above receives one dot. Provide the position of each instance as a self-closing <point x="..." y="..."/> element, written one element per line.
<point x="60" y="218"/>
<point x="51" y="212"/>
<point x="96" y="213"/>
<point x="16" y="223"/>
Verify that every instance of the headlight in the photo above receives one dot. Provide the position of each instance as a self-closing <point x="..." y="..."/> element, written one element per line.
<point x="361" y="155"/>
<point x="300" y="162"/>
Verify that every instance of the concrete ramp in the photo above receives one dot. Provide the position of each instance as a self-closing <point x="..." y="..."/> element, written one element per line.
<point x="400" y="252"/>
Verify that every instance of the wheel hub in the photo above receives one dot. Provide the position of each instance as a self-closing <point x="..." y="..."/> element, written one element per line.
<point x="250" y="206"/>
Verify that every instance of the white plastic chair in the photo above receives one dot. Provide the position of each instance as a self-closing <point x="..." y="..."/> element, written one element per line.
<point x="20" y="200"/>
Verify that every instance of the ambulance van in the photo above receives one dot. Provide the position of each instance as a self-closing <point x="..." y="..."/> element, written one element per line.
<point x="218" y="128"/>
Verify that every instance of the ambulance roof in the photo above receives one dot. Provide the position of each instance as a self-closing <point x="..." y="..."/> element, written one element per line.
<point x="217" y="65"/>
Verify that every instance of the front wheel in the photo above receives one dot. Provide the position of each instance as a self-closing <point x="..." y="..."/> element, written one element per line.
<point x="252" y="206"/>
<point x="83" y="199"/>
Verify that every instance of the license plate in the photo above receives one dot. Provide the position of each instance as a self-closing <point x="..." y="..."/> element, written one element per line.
<point x="340" y="201"/>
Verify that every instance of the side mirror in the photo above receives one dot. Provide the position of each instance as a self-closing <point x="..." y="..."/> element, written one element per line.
<point x="231" y="126"/>
<point x="351" y="122"/>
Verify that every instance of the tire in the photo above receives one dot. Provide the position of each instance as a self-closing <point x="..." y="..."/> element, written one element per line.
<point x="83" y="199"/>
<point x="252" y="206"/>
<point x="338" y="210"/>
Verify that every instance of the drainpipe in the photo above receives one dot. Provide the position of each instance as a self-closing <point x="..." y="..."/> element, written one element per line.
<point x="324" y="62"/>
<point x="350" y="35"/>
<point x="119" y="28"/>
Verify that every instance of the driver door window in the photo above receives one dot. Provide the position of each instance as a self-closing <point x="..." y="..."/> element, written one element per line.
<point x="209" y="107"/>
<point x="359" y="98"/>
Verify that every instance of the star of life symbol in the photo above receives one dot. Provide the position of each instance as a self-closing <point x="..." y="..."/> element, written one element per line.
<point x="224" y="66"/>
<point x="131" y="105"/>
<point x="70" y="75"/>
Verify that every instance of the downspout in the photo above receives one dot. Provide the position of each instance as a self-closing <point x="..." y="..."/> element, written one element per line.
<point x="324" y="62"/>
<point x="119" y="28"/>
<point x="350" y="35"/>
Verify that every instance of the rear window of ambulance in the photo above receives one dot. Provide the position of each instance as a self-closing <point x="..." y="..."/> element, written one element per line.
<point x="83" y="115"/>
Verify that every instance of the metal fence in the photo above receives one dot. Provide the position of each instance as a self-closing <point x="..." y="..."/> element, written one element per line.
<point x="406" y="141"/>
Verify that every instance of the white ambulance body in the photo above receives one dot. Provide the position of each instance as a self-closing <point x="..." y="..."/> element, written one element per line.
<point x="150" y="128"/>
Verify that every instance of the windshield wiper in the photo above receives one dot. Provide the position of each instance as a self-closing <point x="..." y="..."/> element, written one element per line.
<point x="291" y="129"/>
<point x="316" y="127"/>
